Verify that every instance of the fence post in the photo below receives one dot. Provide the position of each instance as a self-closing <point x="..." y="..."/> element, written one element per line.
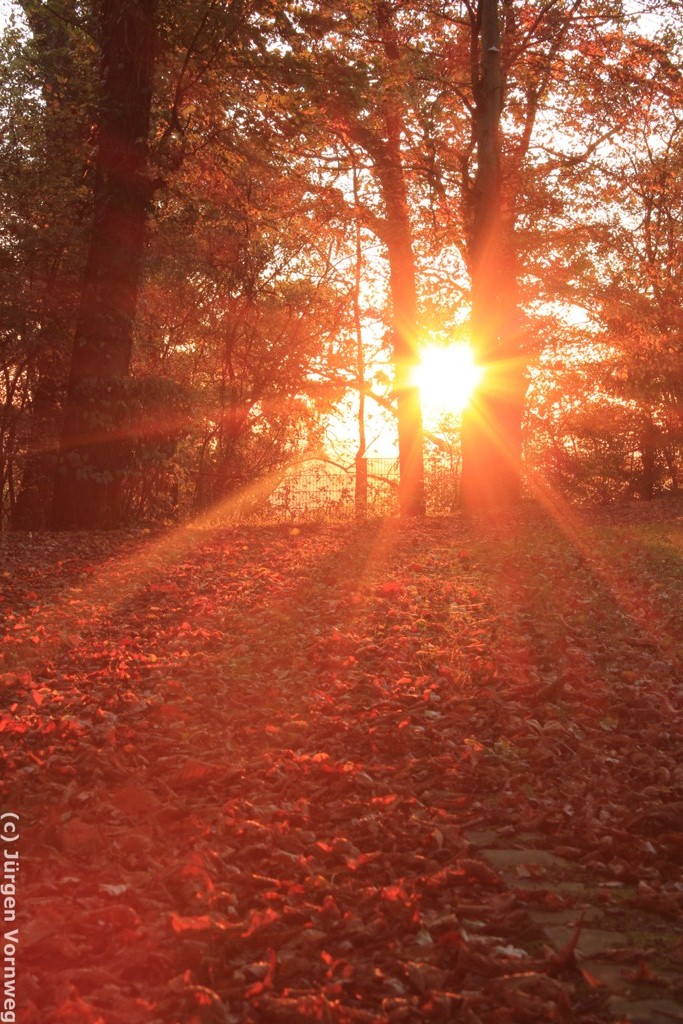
<point x="361" y="490"/>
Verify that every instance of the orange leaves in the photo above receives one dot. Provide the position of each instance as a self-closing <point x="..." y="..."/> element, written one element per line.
<point x="386" y="800"/>
<point x="392" y="588"/>
<point x="267" y="981"/>
<point x="259" y="920"/>
<point x="200" y="923"/>
<point x="354" y="863"/>
<point x="395" y="893"/>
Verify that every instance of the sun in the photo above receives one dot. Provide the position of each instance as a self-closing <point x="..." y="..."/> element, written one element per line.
<point x="446" y="376"/>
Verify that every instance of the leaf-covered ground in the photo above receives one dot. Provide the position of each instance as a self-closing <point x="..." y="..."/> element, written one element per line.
<point x="275" y="774"/>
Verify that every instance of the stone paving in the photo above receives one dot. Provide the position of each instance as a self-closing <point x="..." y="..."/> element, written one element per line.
<point x="636" y="955"/>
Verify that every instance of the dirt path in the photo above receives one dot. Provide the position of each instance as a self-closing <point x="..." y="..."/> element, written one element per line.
<point x="380" y="773"/>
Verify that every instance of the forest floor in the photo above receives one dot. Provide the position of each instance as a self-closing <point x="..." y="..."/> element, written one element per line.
<point x="353" y="773"/>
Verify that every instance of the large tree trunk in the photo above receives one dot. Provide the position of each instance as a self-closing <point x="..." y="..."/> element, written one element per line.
<point x="93" y="446"/>
<point x="491" y="430"/>
<point x="403" y="287"/>
<point x="405" y="353"/>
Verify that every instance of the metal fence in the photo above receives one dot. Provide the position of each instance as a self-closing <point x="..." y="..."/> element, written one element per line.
<point x="324" y="490"/>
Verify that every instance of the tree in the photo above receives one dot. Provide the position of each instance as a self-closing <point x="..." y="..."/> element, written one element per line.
<point x="514" y="61"/>
<point x="360" y="94"/>
<point x="550" y="84"/>
<point x="492" y="424"/>
<point x="612" y="249"/>
<point x="92" y="448"/>
<point x="47" y="71"/>
<point x="639" y="303"/>
<point x="244" y="304"/>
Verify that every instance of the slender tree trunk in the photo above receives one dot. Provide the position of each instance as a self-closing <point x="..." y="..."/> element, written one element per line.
<point x="491" y="430"/>
<point x="405" y="359"/>
<point x="361" y="474"/>
<point x="93" y="446"/>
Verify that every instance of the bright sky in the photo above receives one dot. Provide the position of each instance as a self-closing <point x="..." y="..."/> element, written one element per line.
<point x="5" y="8"/>
<point x="446" y="377"/>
